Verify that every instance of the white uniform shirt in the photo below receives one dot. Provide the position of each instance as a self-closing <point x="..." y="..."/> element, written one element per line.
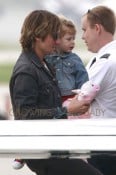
<point x="103" y="73"/>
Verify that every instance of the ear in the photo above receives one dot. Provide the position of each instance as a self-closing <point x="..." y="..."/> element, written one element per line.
<point x="98" y="28"/>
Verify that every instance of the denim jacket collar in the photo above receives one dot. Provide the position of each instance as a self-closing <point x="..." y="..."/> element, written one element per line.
<point x="63" y="55"/>
<point x="36" y="61"/>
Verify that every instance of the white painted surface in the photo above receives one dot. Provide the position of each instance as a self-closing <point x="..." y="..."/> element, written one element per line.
<point x="36" y="138"/>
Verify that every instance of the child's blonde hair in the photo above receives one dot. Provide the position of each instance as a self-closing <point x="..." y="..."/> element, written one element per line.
<point x="67" y="26"/>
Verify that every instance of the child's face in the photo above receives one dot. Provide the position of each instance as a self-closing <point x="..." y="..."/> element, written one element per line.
<point x="66" y="43"/>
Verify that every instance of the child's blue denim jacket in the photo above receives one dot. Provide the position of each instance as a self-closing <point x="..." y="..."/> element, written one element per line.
<point x="70" y="71"/>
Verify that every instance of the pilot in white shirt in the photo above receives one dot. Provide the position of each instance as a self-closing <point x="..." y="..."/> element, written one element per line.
<point x="103" y="73"/>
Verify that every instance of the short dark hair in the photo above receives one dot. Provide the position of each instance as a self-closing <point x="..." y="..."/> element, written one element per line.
<point x="104" y="16"/>
<point x="38" y="23"/>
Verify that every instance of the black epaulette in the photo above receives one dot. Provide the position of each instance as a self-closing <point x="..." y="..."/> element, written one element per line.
<point x="105" y="56"/>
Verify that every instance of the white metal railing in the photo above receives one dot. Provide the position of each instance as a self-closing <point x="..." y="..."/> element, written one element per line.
<point x="37" y="138"/>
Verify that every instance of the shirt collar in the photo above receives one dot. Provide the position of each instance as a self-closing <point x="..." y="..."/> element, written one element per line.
<point x="63" y="55"/>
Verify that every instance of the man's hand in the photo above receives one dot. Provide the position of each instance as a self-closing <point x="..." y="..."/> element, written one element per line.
<point x="76" y="106"/>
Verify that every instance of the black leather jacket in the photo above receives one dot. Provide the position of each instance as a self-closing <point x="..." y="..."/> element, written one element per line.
<point x="34" y="90"/>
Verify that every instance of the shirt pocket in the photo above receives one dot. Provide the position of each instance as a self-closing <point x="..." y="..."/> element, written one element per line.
<point x="68" y="67"/>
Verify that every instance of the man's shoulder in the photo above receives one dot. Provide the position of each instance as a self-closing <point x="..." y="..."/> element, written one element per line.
<point x="23" y="65"/>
